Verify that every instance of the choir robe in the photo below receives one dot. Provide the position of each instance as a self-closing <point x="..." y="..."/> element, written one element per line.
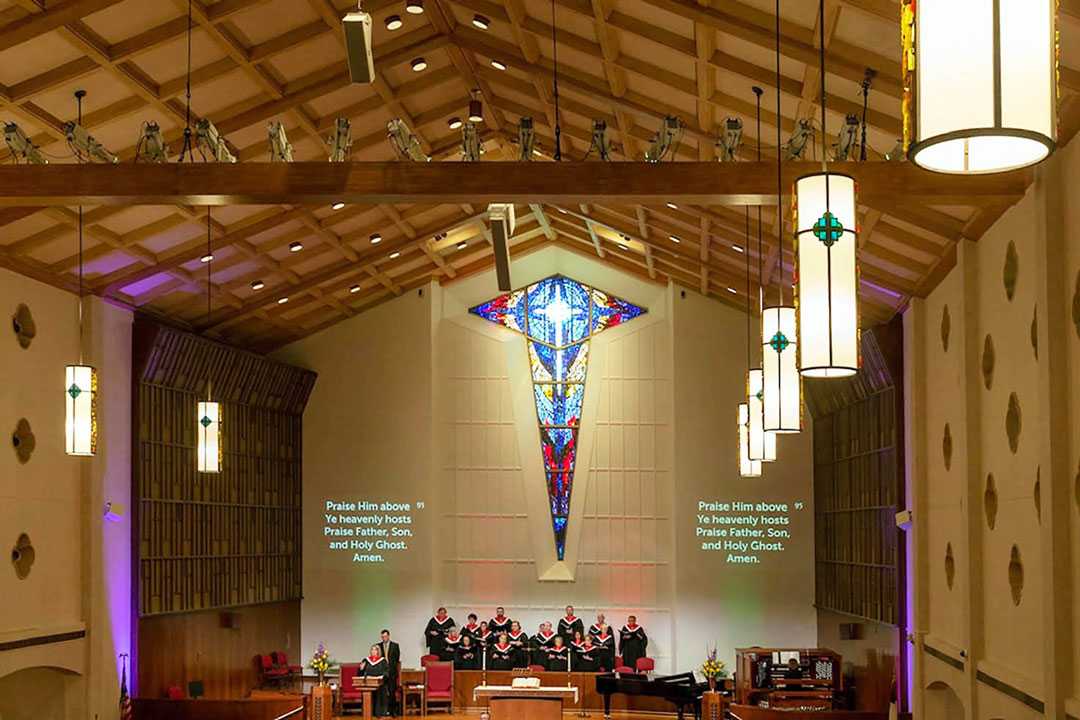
<point x="496" y="626"/>
<point x="585" y="659"/>
<point x="555" y="660"/>
<point x="473" y="632"/>
<point x="435" y="634"/>
<point x="501" y="658"/>
<point x="606" y="645"/>
<point x="467" y="657"/>
<point x="594" y="631"/>
<point x="633" y="644"/>
<point x="520" y="643"/>
<point x="486" y="640"/>
<point x="567" y="626"/>
<point x="380" y="698"/>
<point x="450" y="646"/>
<point x="540" y="647"/>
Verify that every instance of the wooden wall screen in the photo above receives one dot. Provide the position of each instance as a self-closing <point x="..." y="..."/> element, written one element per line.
<point x="858" y="484"/>
<point x="228" y="539"/>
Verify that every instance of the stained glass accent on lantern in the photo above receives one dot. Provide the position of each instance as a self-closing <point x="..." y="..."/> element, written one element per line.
<point x="558" y="317"/>
<point x="828" y="229"/>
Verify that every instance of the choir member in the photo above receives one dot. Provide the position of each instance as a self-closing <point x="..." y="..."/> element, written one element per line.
<point x="392" y="652"/>
<point x="594" y="629"/>
<point x="484" y="636"/>
<point x="605" y="641"/>
<point x="500" y="623"/>
<point x="557" y="655"/>
<point x="570" y="624"/>
<point x="467" y="656"/>
<point x="375" y="666"/>
<point x="471" y="628"/>
<point x="577" y="640"/>
<point x="633" y="642"/>
<point x="501" y="654"/>
<point x="435" y="632"/>
<point x="586" y="656"/>
<point x="520" y="640"/>
<point x="450" y="645"/>
<point x="541" y="643"/>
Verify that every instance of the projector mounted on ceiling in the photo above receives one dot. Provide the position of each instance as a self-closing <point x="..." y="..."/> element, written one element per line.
<point x="357" y="28"/>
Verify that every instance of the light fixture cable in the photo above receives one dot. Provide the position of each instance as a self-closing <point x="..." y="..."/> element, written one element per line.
<point x="555" y="82"/>
<point x="779" y="177"/>
<point x="188" y="150"/>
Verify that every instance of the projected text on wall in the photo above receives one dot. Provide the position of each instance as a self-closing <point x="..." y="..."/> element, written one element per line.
<point x="745" y="532"/>
<point x="365" y="531"/>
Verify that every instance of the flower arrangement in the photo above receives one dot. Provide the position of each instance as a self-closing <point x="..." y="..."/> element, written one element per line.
<point x="713" y="668"/>
<point x="321" y="662"/>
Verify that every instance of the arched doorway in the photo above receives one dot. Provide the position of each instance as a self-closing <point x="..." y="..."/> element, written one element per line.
<point x="42" y="692"/>
<point x="942" y="702"/>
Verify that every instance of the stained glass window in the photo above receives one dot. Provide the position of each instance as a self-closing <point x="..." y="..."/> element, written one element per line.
<point x="558" y="316"/>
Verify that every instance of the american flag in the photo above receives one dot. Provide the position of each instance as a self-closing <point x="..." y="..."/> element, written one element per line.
<point x="126" y="712"/>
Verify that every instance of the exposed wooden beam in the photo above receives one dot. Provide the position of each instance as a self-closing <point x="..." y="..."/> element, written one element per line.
<point x="321" y="183"/>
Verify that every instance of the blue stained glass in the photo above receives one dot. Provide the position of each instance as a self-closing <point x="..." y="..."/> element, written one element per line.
<point x="558" y="316"/>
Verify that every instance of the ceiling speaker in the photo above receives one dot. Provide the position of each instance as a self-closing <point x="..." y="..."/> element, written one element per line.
<point x="501" y="216"/>
<point x="357" y="28"/>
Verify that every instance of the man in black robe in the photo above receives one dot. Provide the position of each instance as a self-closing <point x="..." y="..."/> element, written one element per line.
<point x="467" y="656"/>
<point x="392" y="652"/>
<point x="594" y="629"/>
<point x="500" y="623"/>
<point x="501" y="654"/>
<point x="557" y="656"/>
<point x="569" y="624"/>
<point x="375" y="666"/>
<point x="633" y="643"/>
<point x="436" y="630"/>
<point x="541" y="643"/>
<point x="586" y="657"/>
<point x="519" y="639"/>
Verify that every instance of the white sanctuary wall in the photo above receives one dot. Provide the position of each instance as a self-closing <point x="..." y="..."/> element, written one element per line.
<point x="458" y="387"/>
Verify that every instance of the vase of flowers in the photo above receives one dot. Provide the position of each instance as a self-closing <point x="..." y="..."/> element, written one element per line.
<point x="321" y="663"/>
<point x="713" y="669"/>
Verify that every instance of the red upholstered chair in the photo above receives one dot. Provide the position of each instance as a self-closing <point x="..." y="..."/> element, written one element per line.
<point x="618" y="661"/>
<point x="281" y="661"/>
<point x="426" y="660"/>
<point x="269" y="674"/>
<point x="537" y="668"/>
<point x="440" y="686"/>
<point x="645" y="664"/>
<point x="347" y="695"/>
<point x="174" y="692"/>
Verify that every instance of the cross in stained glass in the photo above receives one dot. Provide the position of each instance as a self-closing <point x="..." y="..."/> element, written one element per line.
<point x="828" y="229"/>
<point x="779" y="342"/>
<point x="558" y="316"/>
<point x="74" y="391"/>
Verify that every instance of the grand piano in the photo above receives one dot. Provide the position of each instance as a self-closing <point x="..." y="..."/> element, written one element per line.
<point x="682" y="689"/>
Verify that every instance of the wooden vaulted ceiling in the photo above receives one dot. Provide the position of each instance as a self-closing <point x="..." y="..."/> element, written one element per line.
<point x="628" y="62"/>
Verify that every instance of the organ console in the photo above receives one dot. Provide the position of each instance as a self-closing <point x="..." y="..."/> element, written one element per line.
<point x="768" y="678"/>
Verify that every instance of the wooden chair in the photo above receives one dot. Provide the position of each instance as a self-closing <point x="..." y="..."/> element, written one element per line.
<point x="439" y="686"/>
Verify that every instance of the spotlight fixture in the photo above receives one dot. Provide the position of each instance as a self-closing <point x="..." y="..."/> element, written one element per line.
<point x="280" y="147"/>
<point x="526" y="139"/>
<point x="210" y="142"/>
<point x="728" y="144"/>
<point x="800" y="138"/>
<point x="476" y="108"/>
<point x="406" y="144"/>
<point x="85" y="147"/>
<point x="414" y="7"/>
<point x="600" y="142"/>
<point x="257" y="285"/>
<point x="341" y="141"/>
<point x="675" y="238"/>
<point x="151" y="146"/>
<point x="738" y="248"/>
<point x="672" y="205"/>
<point x="22" y="147"/>
<point x="480" y="22"/>
<point x="354" y="289"/>
<point x="471" y="148"/>
<point x="206" y="258"/>
<point x="356" y="27"/>
<point x="282" y="300"/>
<point x="462" y="245"/>
<point x="395" y="255"/>
<point x="666" y="141"/>
<point x="498" y="64"/>
<point x="337" y="206"/>
<point x="296" y="246"/>
<point x="454" y="123"/>
<point x="393" y="22"/>
<point x="848" y="138"/>
<point x="375" y="238"/>
<point x="418" y="64"/>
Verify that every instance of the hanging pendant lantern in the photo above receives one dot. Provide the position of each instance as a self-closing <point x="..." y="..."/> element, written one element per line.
<point x="827" y="287"/>
<point x="762" y="445"/>
<point x="782" y="402"/>
<point x="980" y="83"/>
<point x="208" y="431"/>
<point x="80" y="415"/>
<point x="747" y="467"/>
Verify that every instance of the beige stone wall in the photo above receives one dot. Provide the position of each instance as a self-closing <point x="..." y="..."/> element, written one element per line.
<point x="996" y="506"/>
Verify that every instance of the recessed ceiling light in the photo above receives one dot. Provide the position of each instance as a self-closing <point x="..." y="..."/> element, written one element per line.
<point x="498" y="64"/>
<point x="622" y="247"/>
<point x="481" y="22"/>
<point x="206" y="258"/>
<point x="395" y="255"/>
<point x="414" y="7"/>
<point x="737" y="248"/>
<point x="674" y="238"/>
<point x="732" y="291"/>
<point x="296" y="246"/>
<point x="376" y="238"/>
<point x="562" y="210"/>
<point x="354" y="289"/>
<point x="283" y="300"/>
<point x="393" y="22"/>
<point x="257" y="285"/>
<point x="337" y="206"/>
<point x="419" y="64"/>
<point x="462" y="245"/>
<point x="673" y="206"/>
<point x="454" y="123"/>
